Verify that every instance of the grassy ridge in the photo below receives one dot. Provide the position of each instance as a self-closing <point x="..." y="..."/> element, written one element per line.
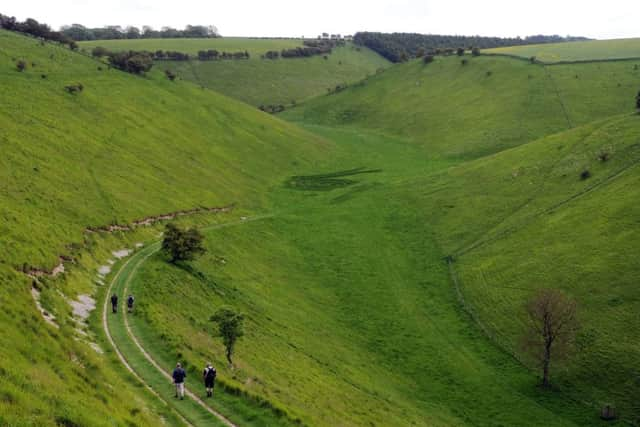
<point x="576" y="51"/>
<point x="488" y="105"/>
<point x="254" y="46"/>
<point x="542" y="226"/>
<point x="124" y="148"/>
<point x="284" y="81"/>
<point x="147" y="146"/>
<point x="351" y="316"/>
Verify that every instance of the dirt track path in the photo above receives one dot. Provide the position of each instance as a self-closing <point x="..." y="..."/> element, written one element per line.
<point x="126" y="272"/>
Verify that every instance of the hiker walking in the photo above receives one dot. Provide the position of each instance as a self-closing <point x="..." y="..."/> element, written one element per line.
<point x="178" y="379"/>
<point x="114" y="303"/>
<point x="130" y="301"/>
<point x="209" y="377"/>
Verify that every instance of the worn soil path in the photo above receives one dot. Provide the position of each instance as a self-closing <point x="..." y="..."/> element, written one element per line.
<point x="121" y="280"/>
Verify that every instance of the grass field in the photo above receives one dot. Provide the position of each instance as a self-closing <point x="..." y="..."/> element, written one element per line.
<point x="284" y="81"/>
<point x="353" y="315"/>
<point x="490" y="104"/>
<point x="257" y="81"/>
<point x="124" y="148"/>
<point x="254" y="46"/>
<point x="576" y="51"/>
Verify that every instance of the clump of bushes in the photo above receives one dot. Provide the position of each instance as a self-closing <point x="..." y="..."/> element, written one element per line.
<point x="73" y="89"/>
<point x="489" y="73"/>
<point x="475" y="51"/>
<point x="428" y="59"/>
<point x="170" y="75"/>
<point x="272" y="109"/>
<point x="21" y="65"/>
<point x="271" y="54"/>
<point x="585" y="174"/>
<point x="460" y="51"/>
<point x="464" y="62"/>
<point x="532" y="59"/>
<point x="603" y="156"/>
<point x="131" y="61"/>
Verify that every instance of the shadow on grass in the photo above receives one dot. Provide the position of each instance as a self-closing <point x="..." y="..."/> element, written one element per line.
<point x="328" y="181"/>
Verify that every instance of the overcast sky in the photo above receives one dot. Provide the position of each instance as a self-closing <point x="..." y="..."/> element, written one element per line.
<point x="590" y="18"/>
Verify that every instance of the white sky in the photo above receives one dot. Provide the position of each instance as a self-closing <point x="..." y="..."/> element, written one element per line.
<point x="590" y="18"/>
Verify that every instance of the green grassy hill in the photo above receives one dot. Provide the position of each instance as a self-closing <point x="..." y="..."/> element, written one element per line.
<point x="522" y="218"/>
<point x="351" y="319"/>
<point x="490" y="104"/>
<point x="353" y="315"/>
<point x="124" y="148"/>
<point x="576" y="51"/>
<point x="255" y="46"/>
<point x="257" y="81"/>
<point x="284" y="81"/>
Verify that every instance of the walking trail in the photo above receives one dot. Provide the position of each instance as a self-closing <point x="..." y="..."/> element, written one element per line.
<point x="121" y="280"/>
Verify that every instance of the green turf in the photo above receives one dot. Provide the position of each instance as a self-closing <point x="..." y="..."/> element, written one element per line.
<point x="124" y="148"/>
<point x="576" y="51"/>
<point x="352" y="314"/>
<point x="255" y="46"/>
<point x="352" y="319"/>
<point x="283" y="81"/>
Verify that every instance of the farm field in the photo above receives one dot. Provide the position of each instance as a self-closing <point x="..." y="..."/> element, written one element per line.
<point x="381" y="241"/>
<point x="576" y="51"/>
<point x="255" y="46"/>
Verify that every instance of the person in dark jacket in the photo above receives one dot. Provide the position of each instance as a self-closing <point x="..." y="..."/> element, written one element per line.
<point x="130" y="301"/>
<point x="178" y="379"/>
<point x="114" y="303"/>
<point x="209" y="377"/>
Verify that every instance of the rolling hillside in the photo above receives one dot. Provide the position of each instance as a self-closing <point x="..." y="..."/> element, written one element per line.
<point x="256" y="81"/>
<point x="524" y="218"/>
<point x="381" y="244"/>
<point x="122" y="149"/>
<point x="576" y="51"/>
<point x="255" y="46"/>
<point x="488" y="105"/>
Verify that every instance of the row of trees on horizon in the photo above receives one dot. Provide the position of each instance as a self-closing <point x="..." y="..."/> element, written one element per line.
<point x="399" y="47"/>
<point x="115" y="32"/>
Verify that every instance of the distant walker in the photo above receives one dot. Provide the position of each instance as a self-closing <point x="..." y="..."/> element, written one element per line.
<point x="209" y="377"/>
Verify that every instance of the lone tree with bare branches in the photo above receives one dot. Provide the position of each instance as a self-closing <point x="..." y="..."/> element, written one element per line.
<point x="551" y="328"/>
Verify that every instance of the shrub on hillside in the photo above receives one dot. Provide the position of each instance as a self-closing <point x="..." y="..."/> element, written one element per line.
<point x="585" y="175"/>
<point x="460" y="51"/>
<point x="21" y="65"/>
<point x="182" y="245"/>
<point x="272" y="109"/>
<point x="170" y="75"/>
<point x="638" y="101"/>
<point x="73" y="89"/>
<point x="532" y="59"/>
<point x="99" y="52"/>
<point x="475" y="51"/>
<point x="464" y="61"/>
<point x="428" y="59"/>
<point x="131" y="61"/>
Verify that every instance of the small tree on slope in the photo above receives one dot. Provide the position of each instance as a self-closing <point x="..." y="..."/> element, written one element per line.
<point x="552" y="326"/>
<point x="638" y="102"/>
<point x="182" y="245"/>
<point x="230" y="328"/>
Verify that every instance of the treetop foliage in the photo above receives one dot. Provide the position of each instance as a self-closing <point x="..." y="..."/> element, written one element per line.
<point x="115" y="32"/>
<point x="398" y="47"/>
<point x="182" y="245"/>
